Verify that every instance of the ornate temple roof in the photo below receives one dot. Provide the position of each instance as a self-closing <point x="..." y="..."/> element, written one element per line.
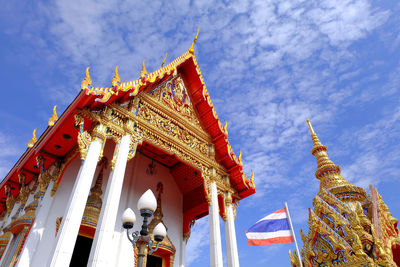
<point x="59" y="140"/>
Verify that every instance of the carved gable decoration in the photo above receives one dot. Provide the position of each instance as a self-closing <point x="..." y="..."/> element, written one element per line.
<point x="173" y="94"/>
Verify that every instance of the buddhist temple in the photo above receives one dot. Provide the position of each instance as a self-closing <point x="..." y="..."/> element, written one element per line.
<point x="62" y="202"/>
<point x="347" y="226"/>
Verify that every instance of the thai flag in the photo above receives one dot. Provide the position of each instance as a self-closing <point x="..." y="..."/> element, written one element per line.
<point x="272" y="229"/>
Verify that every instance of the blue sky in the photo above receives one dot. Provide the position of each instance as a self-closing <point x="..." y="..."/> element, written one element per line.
<point x="268" y="66"/>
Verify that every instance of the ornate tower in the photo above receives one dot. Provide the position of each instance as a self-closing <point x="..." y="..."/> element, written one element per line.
<point x="347" y="227"/>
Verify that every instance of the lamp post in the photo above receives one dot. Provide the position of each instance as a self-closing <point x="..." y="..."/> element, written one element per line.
<point x="147" y="204"/>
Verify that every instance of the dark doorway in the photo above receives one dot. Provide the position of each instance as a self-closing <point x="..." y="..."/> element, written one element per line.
<point x="81" y="253"/>
<point x="153" y="261"/>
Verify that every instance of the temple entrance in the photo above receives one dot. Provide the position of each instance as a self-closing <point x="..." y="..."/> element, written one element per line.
<point x="153" y="261"/>
<point x="81" y="252"/>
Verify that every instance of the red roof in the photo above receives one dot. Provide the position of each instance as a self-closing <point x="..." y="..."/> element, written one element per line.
<point x="64" y="132"/>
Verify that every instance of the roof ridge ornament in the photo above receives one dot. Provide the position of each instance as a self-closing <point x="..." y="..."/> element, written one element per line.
<point x="162" y="65"/>
<point x="240" y="157"/>
<point x="87" y="81"/>
<point x="143" y="72"/>
<point x="225" y="128"/>
<point x="54" y="117"/>
<point x="33" y="140"/>
<point x="191" y="49"/>
<point x="116" y="80"/>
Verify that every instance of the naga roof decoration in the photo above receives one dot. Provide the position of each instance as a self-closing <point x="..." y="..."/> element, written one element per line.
<point x="341" y="226"/>
<point x="64" y="130"/>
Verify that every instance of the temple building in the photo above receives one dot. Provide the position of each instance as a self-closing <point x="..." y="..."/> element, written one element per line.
<point x="347" y="227"/>
<point x="62" y="202"/>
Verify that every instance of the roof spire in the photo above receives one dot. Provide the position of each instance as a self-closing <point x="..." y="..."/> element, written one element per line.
<point x="54" y="117"/>
<point x="162" y="65"/>
<point x="143" y="72"/>
<point x="191" y="49"/>
<point x="116" y="78"/>
<point x="87" y="81"/>
<point x="327" y="172"/>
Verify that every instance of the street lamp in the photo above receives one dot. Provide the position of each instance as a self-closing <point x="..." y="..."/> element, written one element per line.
<point x="147" y="204"/>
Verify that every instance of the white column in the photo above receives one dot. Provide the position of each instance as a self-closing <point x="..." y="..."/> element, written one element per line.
<point x="182" y="259"/>
<point x="66" y="238"/>
<point x="215" y="231"/>
<point x="232" y="256"/>
<point x="35" y="234"/>
<point x="102" y="249"/>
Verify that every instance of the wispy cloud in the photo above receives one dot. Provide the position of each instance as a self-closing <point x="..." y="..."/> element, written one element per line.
<point x="198" y="241"/>
<point x="268" y="65"/>
<point x="9" y="151"/>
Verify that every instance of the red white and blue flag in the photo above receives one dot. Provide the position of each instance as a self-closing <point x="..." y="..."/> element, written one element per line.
<point x="272" y="229"/>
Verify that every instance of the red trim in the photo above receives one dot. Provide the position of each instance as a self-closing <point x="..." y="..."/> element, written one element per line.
<point x="270" y="241"/>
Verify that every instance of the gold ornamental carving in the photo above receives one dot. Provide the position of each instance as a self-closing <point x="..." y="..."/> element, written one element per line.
<point x="84" y="139"/>
<point x="341" y="225"/>
<point x="58" y="224"/>
<point x="54" y="117"/>
<point x="33" y="140"/>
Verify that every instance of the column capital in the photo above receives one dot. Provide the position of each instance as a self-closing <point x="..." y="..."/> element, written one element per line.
<point x="186" y="236"/>
<point x="99" y="132"/>
<point x="228" y="199"/>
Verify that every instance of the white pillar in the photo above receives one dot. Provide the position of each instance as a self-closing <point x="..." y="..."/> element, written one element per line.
<point x="102" y="249"/>
<point x="232" y="256"/>
<point x="66" y="238"/>
<point x="215" y="231"/>
<point x="36" y="232"/>
<point x="182" y="259"/>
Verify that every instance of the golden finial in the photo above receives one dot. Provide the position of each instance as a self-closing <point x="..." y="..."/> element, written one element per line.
<point x="191" y="49"/>
<point x="162" y="65"/>
<point x="54" y="117"/>
<point x="87" y="81"/>
<point x="116" y="78"/>
<point x="252" y="178"/>
<point x="240" y="156"/>
<point x="33" y="140"/>
<point x="143" y="72"/>
<point x="310" y="126"/>
<point x="314" y="137"/>
<point x="226" y="127"/>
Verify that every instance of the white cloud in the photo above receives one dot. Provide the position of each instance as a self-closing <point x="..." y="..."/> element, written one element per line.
<point x="198" y="241"/>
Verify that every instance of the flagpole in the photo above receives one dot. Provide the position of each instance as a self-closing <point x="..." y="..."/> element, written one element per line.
<point x="294" y="236"/>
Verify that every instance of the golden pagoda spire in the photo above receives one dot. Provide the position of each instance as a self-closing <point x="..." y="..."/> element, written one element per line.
<point x="327" y="172"/>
